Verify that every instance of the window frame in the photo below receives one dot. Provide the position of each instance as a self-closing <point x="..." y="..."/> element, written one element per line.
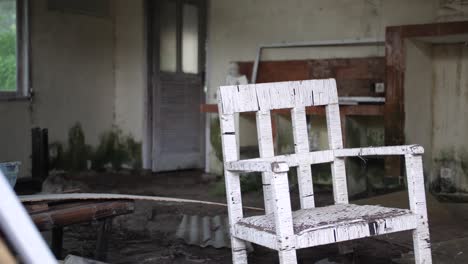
<point x="179" y="31"/>
<point x="22" y="54"/>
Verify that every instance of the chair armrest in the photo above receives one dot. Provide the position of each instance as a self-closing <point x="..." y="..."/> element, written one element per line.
<point x="257" y="166"/>
<point x="380" y="151"/>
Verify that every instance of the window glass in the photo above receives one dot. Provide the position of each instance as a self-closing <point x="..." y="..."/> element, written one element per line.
<point x="168" y="37"/>
<point x="8" y="46"/>
<point x="190" y="39"/>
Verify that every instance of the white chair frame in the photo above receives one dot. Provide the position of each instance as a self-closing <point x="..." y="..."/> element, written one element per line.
<point x="280" y="228"/>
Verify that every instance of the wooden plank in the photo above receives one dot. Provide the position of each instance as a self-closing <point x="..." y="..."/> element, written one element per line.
<point x="379" y="151"/>
<point x="329" y="224"/>
<point x="301" y="145"/>
<point x="291" y="160"/>
<point x="232" y="181"/>
<point x="266" y="150"/>
<point x="254" y="97"/>
<point x="75" y="214"/>
<point x="277" y="71"/>
<point x="335" y="141"/>
<point x="35" y="208"/>
<point x="354" y="76"/>
<point x="417" y="202"/>
<point x="286" y="244"/>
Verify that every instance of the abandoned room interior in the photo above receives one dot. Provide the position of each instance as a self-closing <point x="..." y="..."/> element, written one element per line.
<point x="249" y="131"/>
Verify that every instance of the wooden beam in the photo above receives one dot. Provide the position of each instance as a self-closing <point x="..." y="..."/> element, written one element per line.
<point x="80" y="212"/>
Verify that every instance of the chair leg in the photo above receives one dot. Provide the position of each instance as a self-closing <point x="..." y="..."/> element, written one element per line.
<point x="422" y="245"/>
<point x="239" y="251"/>
<point x="287" y="256"/>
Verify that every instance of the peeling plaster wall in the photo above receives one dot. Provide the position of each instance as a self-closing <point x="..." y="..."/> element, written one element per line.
<point x="130" y="68"/>
<point x="84" y="69"/>
<point x="237" y="28"/>
<point x="72" y="66"/>
<point x="436" y="103"/>
<point x="418" y="97"/>
<point x="450" y="107"/>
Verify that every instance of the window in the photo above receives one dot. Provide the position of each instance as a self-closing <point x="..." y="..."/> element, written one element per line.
<point x="14" y="74"/>
<point x="179" y="41"/>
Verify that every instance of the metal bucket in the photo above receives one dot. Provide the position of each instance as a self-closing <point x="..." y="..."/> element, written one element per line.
<point x="10" y="170"/>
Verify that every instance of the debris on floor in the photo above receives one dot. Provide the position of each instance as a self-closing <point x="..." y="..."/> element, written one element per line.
<point x="71" y="259"/>
<point x="205" y="231"/>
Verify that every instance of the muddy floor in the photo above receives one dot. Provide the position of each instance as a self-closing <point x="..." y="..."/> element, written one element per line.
<point x="148" y="235"/>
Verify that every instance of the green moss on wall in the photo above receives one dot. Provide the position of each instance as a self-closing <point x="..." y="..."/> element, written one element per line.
<point x="456" y="160"/>
<point x="115" y="149"/>
<point x="215" y="138"/>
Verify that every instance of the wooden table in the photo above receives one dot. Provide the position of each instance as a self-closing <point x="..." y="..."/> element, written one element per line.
<point x="54" y="215"/>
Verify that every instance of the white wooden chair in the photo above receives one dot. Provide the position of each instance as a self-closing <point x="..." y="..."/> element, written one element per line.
<point x="280" y="228"/>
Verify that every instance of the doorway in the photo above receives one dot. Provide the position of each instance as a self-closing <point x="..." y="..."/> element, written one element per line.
<point x="177" y="46"/>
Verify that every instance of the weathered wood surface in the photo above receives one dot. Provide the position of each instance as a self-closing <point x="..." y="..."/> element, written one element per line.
<point x="270" y="96"/>
<point x="417" y="202"/>
<point x="79" y="212"/>
<point x="284" y="230"/>
<point x="266" y="150"/>
<point x="380" y="151"/>
<point x="232" y="182"/>
<point x="301" y="145"/>
<point x="331" y="224"/>
<point x="318" y="157"/>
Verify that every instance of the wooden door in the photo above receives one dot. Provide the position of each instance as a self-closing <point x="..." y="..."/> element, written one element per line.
<point x="178" y="125"/>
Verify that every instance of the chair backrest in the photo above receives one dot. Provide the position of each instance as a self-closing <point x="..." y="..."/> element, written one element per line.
<point x="296" y="95"/>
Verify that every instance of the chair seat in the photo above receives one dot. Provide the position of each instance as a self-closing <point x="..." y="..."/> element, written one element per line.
<point x="330" y="224"/>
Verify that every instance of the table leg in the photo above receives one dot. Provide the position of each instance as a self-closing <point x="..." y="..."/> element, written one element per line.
<point x="103" y="239"/>
<point x="57" y="241"/>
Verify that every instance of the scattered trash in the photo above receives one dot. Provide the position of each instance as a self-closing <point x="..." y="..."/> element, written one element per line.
<point x="10" y="170"/>
<point x="325" y="261"/>
<point x="71" y="259"/>
<point x="205" y="231"/>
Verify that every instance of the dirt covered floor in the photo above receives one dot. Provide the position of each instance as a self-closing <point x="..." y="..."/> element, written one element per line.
<point x="149" y="234"/>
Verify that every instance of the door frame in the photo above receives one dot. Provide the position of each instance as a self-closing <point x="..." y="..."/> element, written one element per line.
<point x="151" y="31"/>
